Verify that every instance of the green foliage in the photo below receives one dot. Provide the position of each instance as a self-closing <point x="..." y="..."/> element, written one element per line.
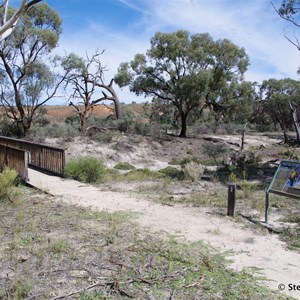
<point x="214" y="151"/>
<point x="25" y="55"/>
<point x="187" y="73"/>
<point x="173" y="173"/>
<point x="124" y="166"/>
<point x="86" y="169"/>
<point x="289" y="153"/>
<point x="183" y="161"/>
<point x="193" y="171"/>
<point x="54" y="130"/>
<point x="248" y="187"/>
<point x="134" y="175"/>
<point x="59" y="247"/>
<point x="17" y="290"/>
<point x="73" y="120"/>
<point x="8" y="183"/>
<point x="245" y="160"/>
<point x="277" y="94"/>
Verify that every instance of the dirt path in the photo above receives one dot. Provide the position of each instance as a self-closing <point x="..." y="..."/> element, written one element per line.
<point x="249" y="249"/>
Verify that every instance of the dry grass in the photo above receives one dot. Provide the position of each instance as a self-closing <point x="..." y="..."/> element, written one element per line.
<point x="53" y="251"/>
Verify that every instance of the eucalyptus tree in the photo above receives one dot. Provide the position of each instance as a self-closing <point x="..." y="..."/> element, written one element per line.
<point x="27" y="82"/>
<point x="278" y="98"/>
<point x="289" y="10"/>
<point x="190" y="72"/>
<point x="88" y="86"/>
<point x="10" y="21"/>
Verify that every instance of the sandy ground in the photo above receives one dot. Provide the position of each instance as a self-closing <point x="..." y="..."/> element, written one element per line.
<point x="248" y="248"/>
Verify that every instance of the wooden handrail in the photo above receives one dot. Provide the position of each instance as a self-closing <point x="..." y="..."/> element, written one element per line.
<point x="15" y="159"/>
<point x="43" y="157"/>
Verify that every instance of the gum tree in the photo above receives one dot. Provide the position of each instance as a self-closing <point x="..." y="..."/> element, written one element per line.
<point x="190" y="72"/>
<point x="9" y="22"/>
<point x="27" y="82"/>
<point x="278" y="97"/>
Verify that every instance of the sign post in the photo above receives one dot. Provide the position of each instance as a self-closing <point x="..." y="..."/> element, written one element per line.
<point x="285" y="182"/>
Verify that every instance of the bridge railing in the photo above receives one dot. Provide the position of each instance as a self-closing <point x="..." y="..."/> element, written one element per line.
<point x="15" y="159"/>
<point x="43" y="157"/>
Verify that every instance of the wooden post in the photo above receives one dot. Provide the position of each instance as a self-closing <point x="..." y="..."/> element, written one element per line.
<point x="267" y="208"/>
<point x="231" y="200"/>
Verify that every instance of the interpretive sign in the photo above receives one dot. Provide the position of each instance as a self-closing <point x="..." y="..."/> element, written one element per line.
<point x="285" y="182"/>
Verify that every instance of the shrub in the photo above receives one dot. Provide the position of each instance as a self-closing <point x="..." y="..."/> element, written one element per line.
<point x="8" y="182"/>
<point x="173" y="173"/>
<point x="214" y="151"/>
<point x="289" y="154"/>
<point x="193" y="171"/>
<point x="247" y="159"/>
<point x="64" y="131"/>
<point x="104" y="137"/>
<point x="124" y="166"/>
<point x="86" y="169"/>
<point x="142" y="174"/>
<point x="72" y="120"/>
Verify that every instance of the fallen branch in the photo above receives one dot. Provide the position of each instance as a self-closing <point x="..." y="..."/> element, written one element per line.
<point x="195" y="284"/>
<point x="79" y="291"/>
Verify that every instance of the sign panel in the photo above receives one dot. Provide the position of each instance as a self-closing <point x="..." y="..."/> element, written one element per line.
<point x="286" y="180"/>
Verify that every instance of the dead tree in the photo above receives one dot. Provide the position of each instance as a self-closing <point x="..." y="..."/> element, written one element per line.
<point x="89" y="87"/>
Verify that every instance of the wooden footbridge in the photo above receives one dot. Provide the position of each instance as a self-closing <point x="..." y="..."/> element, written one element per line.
<point x="20" y="155"/>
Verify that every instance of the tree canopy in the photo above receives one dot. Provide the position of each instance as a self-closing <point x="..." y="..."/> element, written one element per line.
<point x="189" y="71"/>
<point x="27" y="81"/>
<point x="277" y="97"/>
<point x="289" y="10"/>
<point x="9" y="22"/>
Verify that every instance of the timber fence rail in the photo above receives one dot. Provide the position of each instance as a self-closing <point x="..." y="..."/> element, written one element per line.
<point x="42" y="157"/>
<point x="15" y="159"/>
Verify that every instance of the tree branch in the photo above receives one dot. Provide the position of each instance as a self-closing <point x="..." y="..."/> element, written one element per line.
<point x="8" y="25"/>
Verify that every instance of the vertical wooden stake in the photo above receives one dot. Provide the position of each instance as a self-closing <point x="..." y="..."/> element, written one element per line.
<point x="231" y="200"/>
<point x="267" y="208"/>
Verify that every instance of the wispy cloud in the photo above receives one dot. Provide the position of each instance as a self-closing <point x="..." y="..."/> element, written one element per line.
<point x="252" y="24"/>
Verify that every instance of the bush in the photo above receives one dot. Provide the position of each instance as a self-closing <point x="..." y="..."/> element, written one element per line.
<point x="64" y="131"/>
<point x="214" y="151"/>
<point x="86" y="169"/>
<point x="8" y="182"/>
<point x="193" y="171"/>
<point x="246" y="159"/>
<point x="173" y="173"/>
<point x="124" y="166"/>
<point x="104" y="137"/>
<point x="142" y="174"/>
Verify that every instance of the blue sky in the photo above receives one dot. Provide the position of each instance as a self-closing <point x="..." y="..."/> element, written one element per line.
<point x="124" y="28"/>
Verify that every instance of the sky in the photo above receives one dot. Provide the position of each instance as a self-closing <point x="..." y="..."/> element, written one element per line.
<point x="124" y="28"/>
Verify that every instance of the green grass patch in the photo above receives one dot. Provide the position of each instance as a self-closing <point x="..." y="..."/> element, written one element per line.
<point x="8" y="182"/>
<point x="183" y="161"/>
<point x="134" y="175"/>
<point x="124" y="166"/>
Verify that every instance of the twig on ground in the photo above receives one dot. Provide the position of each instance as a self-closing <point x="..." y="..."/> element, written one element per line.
<point x="79" y="291"/>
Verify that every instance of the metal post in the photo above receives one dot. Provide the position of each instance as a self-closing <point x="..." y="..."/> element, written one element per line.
<point x="231" y="200"/>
